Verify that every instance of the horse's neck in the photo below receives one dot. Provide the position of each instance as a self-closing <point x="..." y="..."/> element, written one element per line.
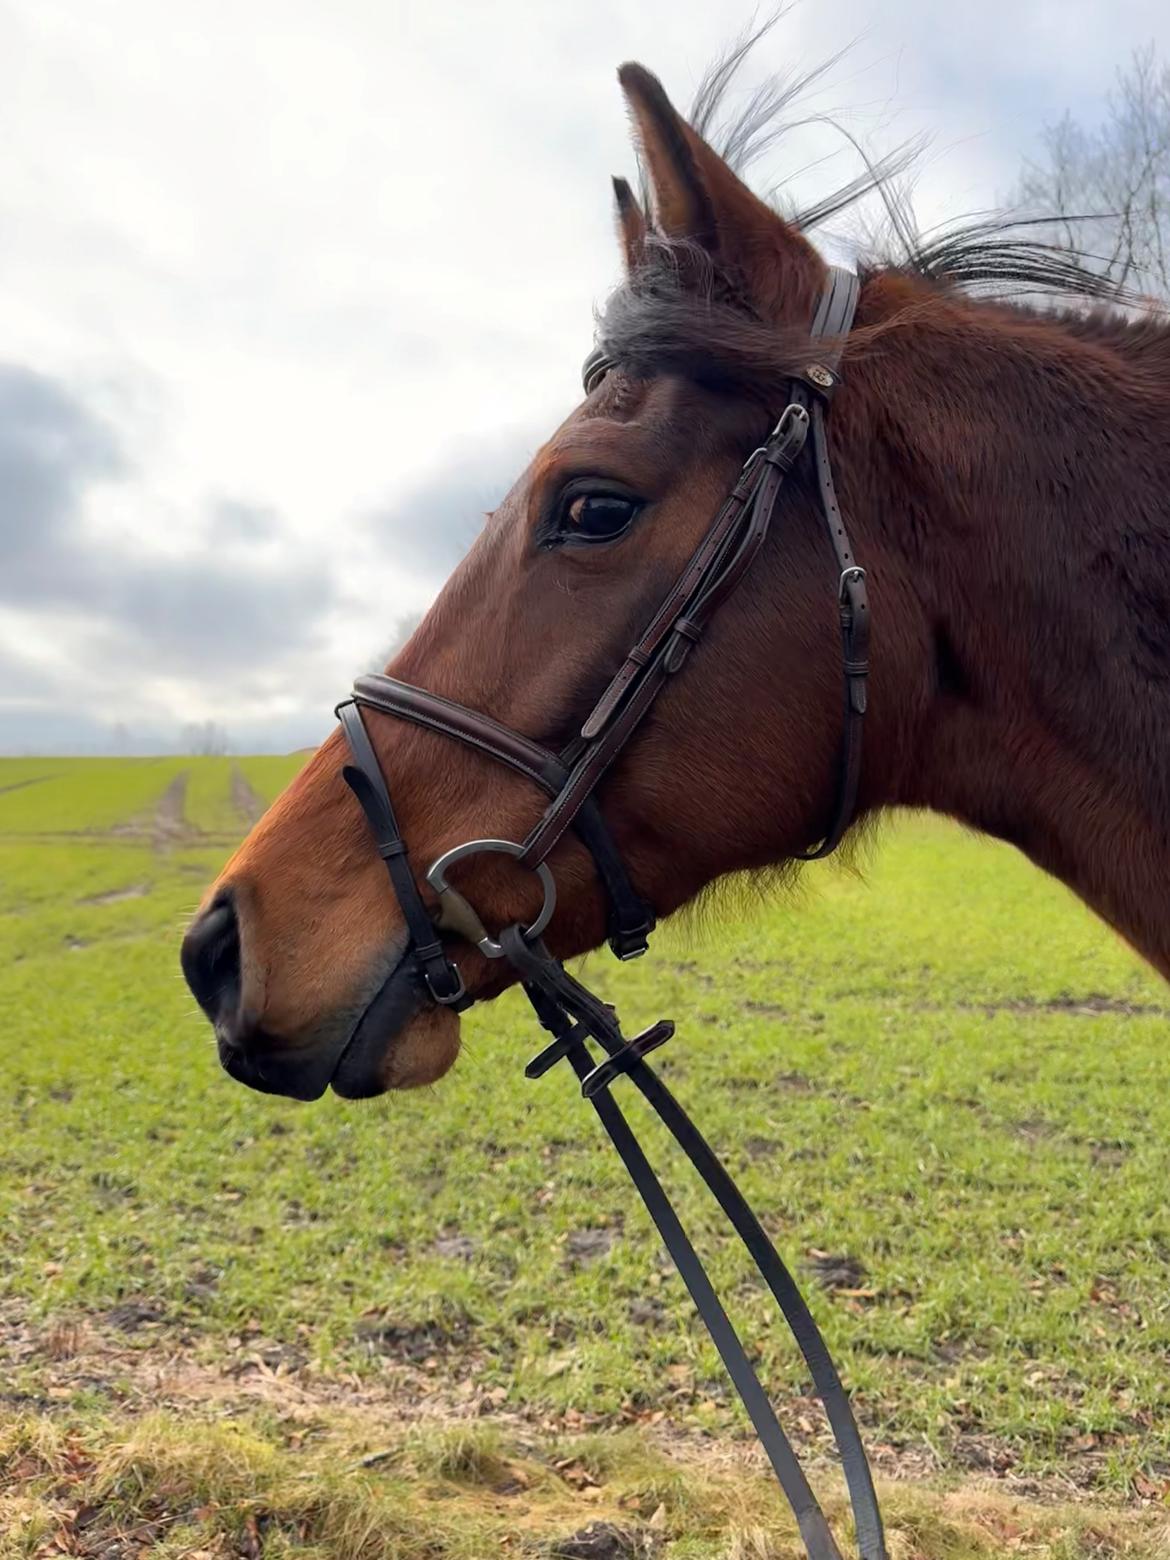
<point x="1032" y="542"/>
<point x="1020" y="782"/>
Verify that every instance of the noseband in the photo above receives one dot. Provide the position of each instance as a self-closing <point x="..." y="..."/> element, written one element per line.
<point x="572" y="1015"/>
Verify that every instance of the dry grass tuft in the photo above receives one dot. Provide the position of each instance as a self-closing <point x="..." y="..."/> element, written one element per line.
<point x="169" y="1487"/>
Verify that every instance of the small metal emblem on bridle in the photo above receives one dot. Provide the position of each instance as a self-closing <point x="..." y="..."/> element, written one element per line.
<point x="820" y="376"/>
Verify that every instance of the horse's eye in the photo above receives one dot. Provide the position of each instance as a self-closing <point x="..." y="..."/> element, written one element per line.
<point x="599" y="517"/>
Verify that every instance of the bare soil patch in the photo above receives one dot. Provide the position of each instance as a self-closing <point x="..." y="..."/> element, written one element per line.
<point x="167" y="826"/>
<point x="1090" y="1005"/>
<point x="460" y="1460"/>
<point x="117" y="896"/>
<point x="245" y="799"/>
<point x="170" y="821"/>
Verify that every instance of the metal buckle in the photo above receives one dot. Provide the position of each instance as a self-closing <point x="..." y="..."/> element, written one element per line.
<point x="457" y="915"/>
<point x="631" y="942"/>
<point x="791" y="429"/>
<point x="626" y="942"/>
<point x="785" y="440"/>
<point x="625" y="953"/>
<point x="853" y="575"/>
<point x="451" y="999"/>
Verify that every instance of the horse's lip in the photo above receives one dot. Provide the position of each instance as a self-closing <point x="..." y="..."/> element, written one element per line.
<point x="271" y="1070"/>
<point x="358" y="1073"/>
<point x="351" y="1067"/>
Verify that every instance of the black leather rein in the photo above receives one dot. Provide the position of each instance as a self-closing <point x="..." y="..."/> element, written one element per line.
<point x="572" y="1015"/>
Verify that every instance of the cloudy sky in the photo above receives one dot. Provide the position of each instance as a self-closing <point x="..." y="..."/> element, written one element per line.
<point x="290" y="290"/>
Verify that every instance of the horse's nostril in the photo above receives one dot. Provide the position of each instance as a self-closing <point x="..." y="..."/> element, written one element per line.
<point x="211" y="960"/>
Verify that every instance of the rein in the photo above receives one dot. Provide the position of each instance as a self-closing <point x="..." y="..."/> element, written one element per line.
<point x="571" y="1014"/>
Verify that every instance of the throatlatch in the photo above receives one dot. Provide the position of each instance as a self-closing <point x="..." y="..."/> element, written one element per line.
<point x="571" y="1014"/>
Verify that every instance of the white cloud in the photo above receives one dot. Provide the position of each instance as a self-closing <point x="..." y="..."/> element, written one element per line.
<point x="296" y="255"/>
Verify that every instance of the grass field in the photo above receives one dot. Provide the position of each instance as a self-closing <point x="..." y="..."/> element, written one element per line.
<point x="439" y="1325"/>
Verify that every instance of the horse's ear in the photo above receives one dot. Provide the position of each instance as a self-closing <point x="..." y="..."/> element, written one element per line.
<point x="696" y="196"/>
<point x="682" y="207"/>
<point x="631" y="224"/>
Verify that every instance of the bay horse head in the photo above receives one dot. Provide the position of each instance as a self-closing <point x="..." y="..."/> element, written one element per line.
<point x="959" y="441"/>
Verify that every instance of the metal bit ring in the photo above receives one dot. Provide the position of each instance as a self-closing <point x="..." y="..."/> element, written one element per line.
<point x="457" y="915"/>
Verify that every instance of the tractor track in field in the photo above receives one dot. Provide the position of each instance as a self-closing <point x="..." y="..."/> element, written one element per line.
<point x="20" y="785"/>
<point x="170" y="825"/>
<point x="245" y="798"/>
<point x="165" y="827"/>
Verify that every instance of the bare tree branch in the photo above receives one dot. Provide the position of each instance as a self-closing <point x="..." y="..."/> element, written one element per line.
<point x="1108" y="185"/>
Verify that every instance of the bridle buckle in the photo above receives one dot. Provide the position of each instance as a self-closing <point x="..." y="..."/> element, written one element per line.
<point x="456" y="997"/>
<point x="784" y="443"/>
<point x="853" y="575"/>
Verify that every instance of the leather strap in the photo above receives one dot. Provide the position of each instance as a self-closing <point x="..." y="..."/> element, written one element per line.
<point x="572" y="1014"/>
<point x="712" y="574"/>
<point x="835" y="310"/>
<point x="669" y="613"/>
<point x="471" y="727"/>
<point x="833" y="320"/>
<point x="853" y="613"/>
<point x="631" y="919"/>
<point x="714" y="570"/>
<point x="364" y="779"/>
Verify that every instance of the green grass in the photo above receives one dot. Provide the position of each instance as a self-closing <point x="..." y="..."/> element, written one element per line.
<point x="77" y="795"/>
<point x="269" y="773"/>
<point x="208" y="804"/>
<point x="211" y="805"/>
<point x="946" y="1071"/>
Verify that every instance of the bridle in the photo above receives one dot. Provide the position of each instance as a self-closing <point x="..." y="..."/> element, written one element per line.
<point x="572" y="1015"/>
<point x="570" y="778"/>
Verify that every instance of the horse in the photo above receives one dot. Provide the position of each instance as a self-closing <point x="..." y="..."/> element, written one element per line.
<point x="1005" y="472"/>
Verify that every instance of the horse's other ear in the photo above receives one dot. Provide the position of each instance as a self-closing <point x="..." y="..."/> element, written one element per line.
<point x="631" y="224"/>
<point x="696" y="196"/>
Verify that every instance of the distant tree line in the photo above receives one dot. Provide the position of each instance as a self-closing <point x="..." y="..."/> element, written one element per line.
<point x="205" y="739"/>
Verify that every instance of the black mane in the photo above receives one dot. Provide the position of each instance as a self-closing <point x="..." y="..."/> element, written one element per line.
<point x="679" y="314"/>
